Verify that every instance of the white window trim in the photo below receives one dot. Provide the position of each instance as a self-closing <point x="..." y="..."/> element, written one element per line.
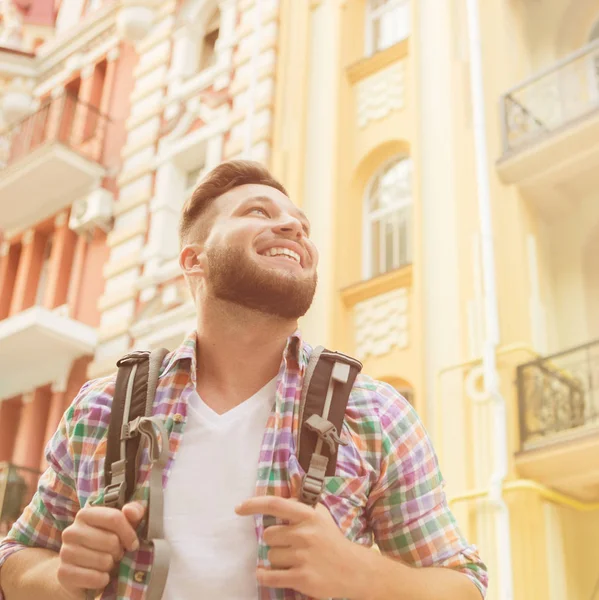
<point x="369" y="217"/>
<point x="371" y="16"/>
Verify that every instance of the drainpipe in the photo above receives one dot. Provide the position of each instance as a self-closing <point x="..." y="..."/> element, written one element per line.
<point x="490" y="374"/>
<point x="251" y="107"/>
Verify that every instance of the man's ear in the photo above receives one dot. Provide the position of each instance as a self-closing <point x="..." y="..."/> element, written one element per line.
<point x="189" y="259"/>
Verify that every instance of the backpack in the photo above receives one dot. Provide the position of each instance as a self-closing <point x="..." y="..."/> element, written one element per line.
<point x="328" y="381"/>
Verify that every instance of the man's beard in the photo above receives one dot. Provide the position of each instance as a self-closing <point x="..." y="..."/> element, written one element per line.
<point x="233" y="276"/>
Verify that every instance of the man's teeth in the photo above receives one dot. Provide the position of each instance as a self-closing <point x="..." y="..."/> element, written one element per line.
<point x="284" y="252"/>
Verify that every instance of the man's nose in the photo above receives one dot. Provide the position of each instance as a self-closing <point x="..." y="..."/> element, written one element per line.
<point x="289" y="226"/>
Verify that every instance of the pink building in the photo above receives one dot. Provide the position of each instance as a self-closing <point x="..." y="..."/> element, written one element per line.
<point x="65" y="98"/>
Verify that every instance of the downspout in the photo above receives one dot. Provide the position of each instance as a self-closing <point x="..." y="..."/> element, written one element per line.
<point x="251" y="107"/>
<point x="490" y="374"/>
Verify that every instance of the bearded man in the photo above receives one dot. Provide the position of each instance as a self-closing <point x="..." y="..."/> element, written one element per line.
<point x="228" y="395"/>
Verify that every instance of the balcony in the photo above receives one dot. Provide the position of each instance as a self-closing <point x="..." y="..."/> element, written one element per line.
<point x="37" y="346"/>
<point x="49" y="159"/>
<point x="17" y="486"/>
<point x="558" y="398"/>
<point x="550" y="126"/>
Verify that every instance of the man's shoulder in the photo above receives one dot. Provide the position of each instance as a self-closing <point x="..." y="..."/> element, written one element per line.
<point x="378" y="396"/>
<point x="95" y="396"/>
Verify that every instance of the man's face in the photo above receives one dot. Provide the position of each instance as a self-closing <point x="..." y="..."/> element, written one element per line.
<point x="258" y="253"/>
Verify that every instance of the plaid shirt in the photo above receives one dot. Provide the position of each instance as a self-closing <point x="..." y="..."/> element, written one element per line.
<point x="387" y="486"/>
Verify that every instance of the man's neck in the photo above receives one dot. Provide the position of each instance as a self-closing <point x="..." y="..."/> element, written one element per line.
<point x="239" y="352"/>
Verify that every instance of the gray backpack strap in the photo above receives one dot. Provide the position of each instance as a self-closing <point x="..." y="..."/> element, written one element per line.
<point x="328" y="382"/>
<point x="131" y="421"/>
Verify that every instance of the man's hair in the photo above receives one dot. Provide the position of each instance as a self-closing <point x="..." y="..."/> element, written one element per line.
<point x="221" y="179"/>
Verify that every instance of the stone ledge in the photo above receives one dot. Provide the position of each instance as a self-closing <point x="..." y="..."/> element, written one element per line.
<point x="239" y="115"/>
<point x="107" y="301"/>
<point x="378" y="61"/>
<point x="130" y="150"/>
<point x="128" y="176"/>
<point x="124" y="206"/>
<point x="238" y="86"/>
<point x="136" y="120"/>
<point x="115" y="238"/>
<point x="235" y="146"/>
<point x="399" y="278"/>
<point x="109" y="332"/>
<point x="140" y="94"/>
<point x="124" y="264"/>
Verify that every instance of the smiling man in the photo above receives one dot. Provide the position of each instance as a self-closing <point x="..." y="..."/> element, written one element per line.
<point x="228" y="397"/>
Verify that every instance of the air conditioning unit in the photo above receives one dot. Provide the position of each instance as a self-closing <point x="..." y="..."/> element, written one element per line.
<point x="95" y="210"/>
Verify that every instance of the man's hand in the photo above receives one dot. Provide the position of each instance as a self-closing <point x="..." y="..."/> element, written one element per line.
<point x="310" y="554"/>
<point x="94" y="544"/>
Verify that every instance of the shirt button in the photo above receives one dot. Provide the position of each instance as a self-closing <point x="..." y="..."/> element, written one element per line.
<point x="178" y="418"/>
<point x="139" y="576"/>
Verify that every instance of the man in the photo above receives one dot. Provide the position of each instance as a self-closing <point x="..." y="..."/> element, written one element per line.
<point x="227" y="397"/>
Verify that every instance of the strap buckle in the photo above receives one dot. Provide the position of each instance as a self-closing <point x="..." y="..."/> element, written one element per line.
<point x="138" y="356"/>
<point x="326" y="431"/>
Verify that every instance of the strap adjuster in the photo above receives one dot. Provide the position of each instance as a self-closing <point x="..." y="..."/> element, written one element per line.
<point x="311" y="489"/>
<point x="114" y="495"/>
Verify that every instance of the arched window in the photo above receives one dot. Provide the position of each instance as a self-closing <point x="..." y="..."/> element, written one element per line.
<point x="387" y="23"/>
<point x="388" y="218"/>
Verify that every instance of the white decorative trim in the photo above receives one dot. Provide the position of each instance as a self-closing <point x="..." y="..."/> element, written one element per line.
<point x="88" y="71"/>
<point x="61" y="219"/>
<point x="380" y="94"/>
<point x="28" y="237"/>
<point x="60" y="385"/>
<point x="113" y="54"/>
<point x="159" y="323"/>
<point x="382" y="323"/>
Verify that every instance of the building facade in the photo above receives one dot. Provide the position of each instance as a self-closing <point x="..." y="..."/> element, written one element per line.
<point x="446" y="154"/>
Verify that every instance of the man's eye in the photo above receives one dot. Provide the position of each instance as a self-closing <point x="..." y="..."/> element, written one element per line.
<point x="258" y="209"/>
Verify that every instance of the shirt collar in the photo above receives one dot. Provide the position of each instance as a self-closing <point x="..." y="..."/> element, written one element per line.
<point x="295" y="354"/>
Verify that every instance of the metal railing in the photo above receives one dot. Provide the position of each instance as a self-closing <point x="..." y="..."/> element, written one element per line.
<point x="551" y="99"/>
<point x="66" y="120"/>
<point x="559" y="393"/>
<point x="17" y="486"/>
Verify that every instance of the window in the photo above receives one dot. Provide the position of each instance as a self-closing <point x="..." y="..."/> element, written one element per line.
<point x="388" y="219"/>
<point x="387" y="23"/>
<point x="207" y="49"/>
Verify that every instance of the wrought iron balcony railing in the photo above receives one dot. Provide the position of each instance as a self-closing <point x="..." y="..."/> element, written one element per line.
<point x="66" y="120"/>
<point x="552" y="99"/>
<point x="17" y="486"/>
<point x="558" y="393"/>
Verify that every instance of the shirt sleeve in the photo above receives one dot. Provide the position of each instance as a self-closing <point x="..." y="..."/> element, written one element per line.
<point x="408" y="509"/>
<point x="55" y="503"/>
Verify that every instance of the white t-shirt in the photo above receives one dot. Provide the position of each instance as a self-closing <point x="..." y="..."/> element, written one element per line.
<point x="214" y="551"/>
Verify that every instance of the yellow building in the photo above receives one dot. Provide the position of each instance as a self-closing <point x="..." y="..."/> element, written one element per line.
<point x="446" y="153"/>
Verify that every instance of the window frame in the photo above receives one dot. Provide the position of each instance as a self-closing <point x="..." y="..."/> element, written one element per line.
<point x="376" y="14"/>
<point x="370" y="217"/>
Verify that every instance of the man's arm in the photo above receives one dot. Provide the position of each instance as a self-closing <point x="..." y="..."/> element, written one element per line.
<point x="411" y="520"/>
<point x="32" y="573"/>
<point x="382" y="577"/>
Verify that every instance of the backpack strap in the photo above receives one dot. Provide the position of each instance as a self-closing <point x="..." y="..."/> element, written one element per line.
<point x="328" y="382"/>
<point x="131" y="420"/>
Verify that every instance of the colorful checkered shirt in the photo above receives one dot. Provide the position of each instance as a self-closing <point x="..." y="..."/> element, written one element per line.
<point x="387" y="488"/>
